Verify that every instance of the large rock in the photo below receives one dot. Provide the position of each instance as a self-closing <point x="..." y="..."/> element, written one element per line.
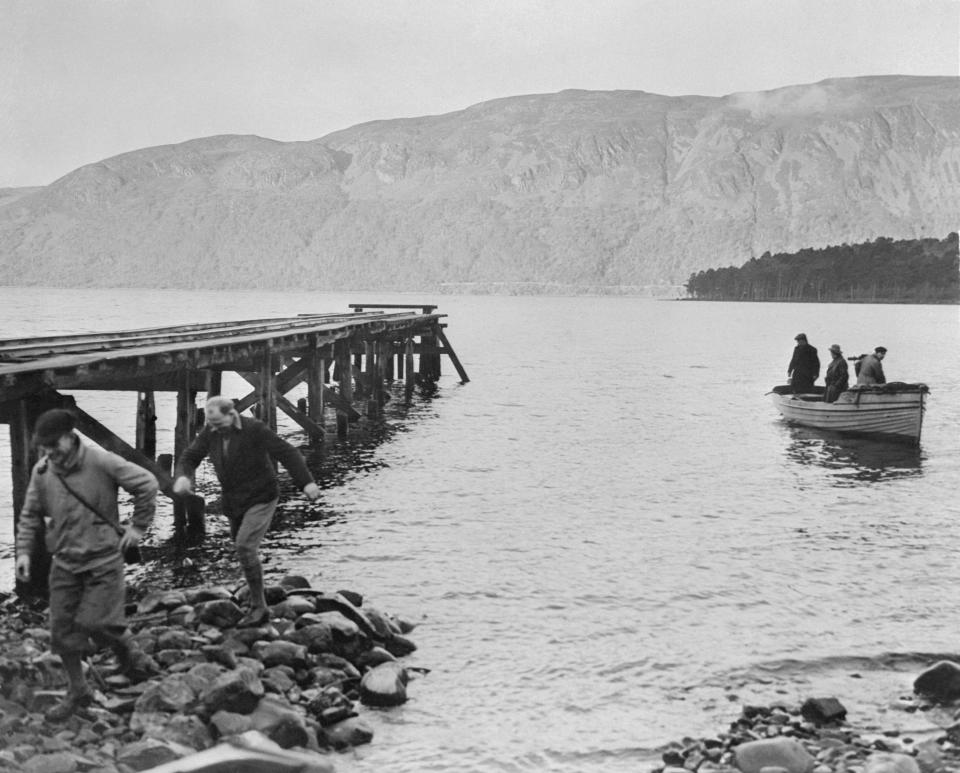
<point x="888" y="762"/>
<point x="55" y="762"/>
<point x="161" y="600"/>
<point x="352" y="731"/>
<point x="280" y="723"/>
<point x="281" y="653"/>
<point x="316" y="637"/>
<point x="385" y="685"/>
<point x="174" y="693"/>
<point x="821" y="711"/>
<point x="151" y="752"/>
<point x="222" y="613"/>
<point x="940" y="682"/>
<point x="248" y="752"/>
<point x="187" y="730"/>
<point x="786" y="753"/>
<point x="239" y="691"/>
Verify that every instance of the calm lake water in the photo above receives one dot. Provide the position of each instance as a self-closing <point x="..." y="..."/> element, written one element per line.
<point x="608" y="537"/>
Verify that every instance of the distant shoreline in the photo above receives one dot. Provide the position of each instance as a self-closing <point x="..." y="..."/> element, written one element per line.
<point x="928" y="302"/>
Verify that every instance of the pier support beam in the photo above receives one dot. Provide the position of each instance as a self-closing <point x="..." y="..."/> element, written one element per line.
<point x="316" y="370"/>
<point x="448" y="350"/>
<point x="185" y="521"/>
<point x="294" y="412"/>
<point x="214" y="383"/>
<point x="345" y="373"/>
<point x="370" y="376"/>
<point x="268" y="390"/>
<point x="23" y="456"/>
<point x="146" y="439"/>
<point x="411" y="377"/>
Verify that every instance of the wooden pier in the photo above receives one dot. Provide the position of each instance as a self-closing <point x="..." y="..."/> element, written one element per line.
<point x="346" y="360"/>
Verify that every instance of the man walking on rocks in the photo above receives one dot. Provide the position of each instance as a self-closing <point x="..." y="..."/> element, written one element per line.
<point x="241" y="450"/>
<point x="72" y="496"/>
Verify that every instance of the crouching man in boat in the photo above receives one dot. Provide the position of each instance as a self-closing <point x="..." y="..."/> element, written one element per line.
<point x="871" y="368"/>
<point x="837" y="377"/>
<point x="804" y="367"/>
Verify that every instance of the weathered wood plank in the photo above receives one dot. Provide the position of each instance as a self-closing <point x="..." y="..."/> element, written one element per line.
<point x="448" y="350"/>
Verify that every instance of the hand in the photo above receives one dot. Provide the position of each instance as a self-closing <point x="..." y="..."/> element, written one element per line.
<point x="182" y="485"/>
<point x="312" y="490"/>
<point x="131" y="538"/>
<point x="23" y="567"/>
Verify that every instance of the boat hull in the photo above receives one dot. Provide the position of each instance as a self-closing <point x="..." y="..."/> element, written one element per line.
<point x="894" y="413"/>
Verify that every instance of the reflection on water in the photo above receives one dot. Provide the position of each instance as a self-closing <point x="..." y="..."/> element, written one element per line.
<point x="853" y="461"/>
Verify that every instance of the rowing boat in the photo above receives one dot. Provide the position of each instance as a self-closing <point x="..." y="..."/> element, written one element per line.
<point x="893" y="411"/>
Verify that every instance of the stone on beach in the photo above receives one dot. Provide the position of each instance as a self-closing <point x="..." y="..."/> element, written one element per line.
<point x="295" y="680"/>
<point x="384" y="685"/>
<point x="823" y="710"/>
<point x="940" y="682"/>
<point x="352" y="731"/>
<point x="886" y="762"/>
<point x="787" y="753"/>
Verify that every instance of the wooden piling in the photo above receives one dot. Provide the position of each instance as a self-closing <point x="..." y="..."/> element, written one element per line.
<point x="345" y="371"/>
<point x="214" y="383"/>
<point x="411" y="378"/>
<point x="388" y="353"/>
<point x="384" y="365"/>
<point x="146" y="432"/>
<point x="370" y="379"/>
<point x="23" y="456"/>
<point x="316" y="369"/>
<point x="183" y="435"/>
<point x="268" y="392"/>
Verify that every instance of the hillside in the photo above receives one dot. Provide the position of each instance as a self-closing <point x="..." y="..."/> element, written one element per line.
<point x="576" y="191"/>
<point x="881" y="271"/>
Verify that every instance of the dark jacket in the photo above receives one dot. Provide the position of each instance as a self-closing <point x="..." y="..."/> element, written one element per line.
<point x="247" y="476"/>
<point x="804" y="367"/>
<point x="836" y="379"/>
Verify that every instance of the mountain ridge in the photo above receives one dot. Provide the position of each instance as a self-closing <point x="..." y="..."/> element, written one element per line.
<point x="614" y="189"/>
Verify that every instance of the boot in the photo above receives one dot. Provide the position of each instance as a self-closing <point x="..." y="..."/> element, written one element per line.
<point x="70" y="702"/>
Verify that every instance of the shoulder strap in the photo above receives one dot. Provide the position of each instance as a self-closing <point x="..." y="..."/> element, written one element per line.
<point x="89" y="507"/>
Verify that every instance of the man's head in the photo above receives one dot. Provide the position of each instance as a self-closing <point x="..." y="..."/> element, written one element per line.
<point x="220" y="412"/>
<point x="800" y="338"/>
<point x="881" y="352"/>
<point x="53" y="433"/>
<point x="835" y="350"/>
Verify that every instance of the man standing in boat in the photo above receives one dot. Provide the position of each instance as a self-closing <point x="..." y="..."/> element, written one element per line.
<point x="804" y="367"/>
<point x="837" y="377"/>
<point x="871" y="368"/>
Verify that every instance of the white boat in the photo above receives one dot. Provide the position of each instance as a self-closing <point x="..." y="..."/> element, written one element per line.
<point x="893" y="411"/>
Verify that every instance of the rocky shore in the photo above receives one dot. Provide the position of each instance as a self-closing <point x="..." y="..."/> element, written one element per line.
<point x="288" y="694"/>
<point x="815" y="737"/>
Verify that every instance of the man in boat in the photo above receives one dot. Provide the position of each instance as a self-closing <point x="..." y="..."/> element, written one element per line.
<point x="837" y="377"/>
<point x="871" y="368"/>
<point x="242" y="451"/>
<point x="804" y="367"/>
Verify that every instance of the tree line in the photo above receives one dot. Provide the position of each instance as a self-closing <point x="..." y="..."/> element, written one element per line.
<point x="881" y="271"/>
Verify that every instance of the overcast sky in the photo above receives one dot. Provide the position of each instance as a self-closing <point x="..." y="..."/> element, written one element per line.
<point x="83" y="80"/>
